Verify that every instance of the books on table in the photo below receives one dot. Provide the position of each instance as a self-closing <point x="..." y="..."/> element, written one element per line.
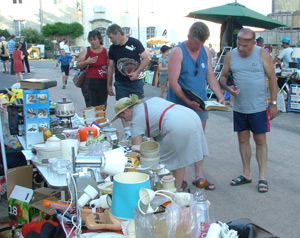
<point x="38" y="83"/>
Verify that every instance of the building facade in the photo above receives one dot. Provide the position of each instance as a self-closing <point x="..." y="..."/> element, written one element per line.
<point x="287" y="12"/>
<point x="138" y="18"/>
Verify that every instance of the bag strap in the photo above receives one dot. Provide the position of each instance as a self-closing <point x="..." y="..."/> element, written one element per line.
<point x="88" y="51"/>
<point x="87" y="55"/>
<point x="147" y="118"/>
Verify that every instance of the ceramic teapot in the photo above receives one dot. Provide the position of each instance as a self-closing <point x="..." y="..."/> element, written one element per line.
<point x="64" y="108"/>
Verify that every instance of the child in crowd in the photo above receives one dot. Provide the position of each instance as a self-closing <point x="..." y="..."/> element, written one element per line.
<point x="18" y="65"/>
<point x="64" y="60"/>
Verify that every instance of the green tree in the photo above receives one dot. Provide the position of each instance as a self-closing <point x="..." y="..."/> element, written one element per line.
<point x="4" y="33"/>
<point x="32" y="36"/>
<point x="73" y="29"/>
<point x="76" y="29"/>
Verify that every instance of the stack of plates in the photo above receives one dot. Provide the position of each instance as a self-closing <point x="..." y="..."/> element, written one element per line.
<point x="44" y="151"/>
<point x="83" y="149"/>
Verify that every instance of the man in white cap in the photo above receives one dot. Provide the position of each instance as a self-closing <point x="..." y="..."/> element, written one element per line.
<point x="285" y="55"/>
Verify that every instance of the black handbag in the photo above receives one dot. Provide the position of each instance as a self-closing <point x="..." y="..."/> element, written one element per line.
<point x="80" y="76"/>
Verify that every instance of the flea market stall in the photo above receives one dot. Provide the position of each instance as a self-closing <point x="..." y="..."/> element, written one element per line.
<point x="95" y="184"/>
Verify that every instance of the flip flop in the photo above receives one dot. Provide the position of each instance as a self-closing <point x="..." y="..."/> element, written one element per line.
<point x="240" y="180"/>
<point x="262" y="186"/>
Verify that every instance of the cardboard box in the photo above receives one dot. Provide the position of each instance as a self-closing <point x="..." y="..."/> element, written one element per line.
<point x="26" y="205"/>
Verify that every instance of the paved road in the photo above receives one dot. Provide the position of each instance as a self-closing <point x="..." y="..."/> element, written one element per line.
<point x="277" y="211"/>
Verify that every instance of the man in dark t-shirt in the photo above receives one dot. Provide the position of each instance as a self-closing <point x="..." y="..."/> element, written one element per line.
<point x="128" y="59"/>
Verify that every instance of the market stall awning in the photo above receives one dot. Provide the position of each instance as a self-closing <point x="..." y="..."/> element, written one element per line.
<point x="239" y="13"/>
<point x="157" y="40"/>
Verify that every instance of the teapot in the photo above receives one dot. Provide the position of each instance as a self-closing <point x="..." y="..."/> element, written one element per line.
<point x="53" y="141"/>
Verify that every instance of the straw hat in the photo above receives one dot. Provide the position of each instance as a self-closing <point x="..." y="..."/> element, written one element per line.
<point x="4" y="99"/>
<point x="124" y="103"/>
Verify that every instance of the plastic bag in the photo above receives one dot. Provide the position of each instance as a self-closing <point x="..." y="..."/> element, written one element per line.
<point x="178" y="221"/>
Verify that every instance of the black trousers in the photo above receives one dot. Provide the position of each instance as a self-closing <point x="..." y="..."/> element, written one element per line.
<point x="25" y="60"/>
<point x="94" y="92"/>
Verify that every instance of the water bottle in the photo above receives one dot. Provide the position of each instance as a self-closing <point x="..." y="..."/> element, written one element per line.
<point x="204" y="212"/>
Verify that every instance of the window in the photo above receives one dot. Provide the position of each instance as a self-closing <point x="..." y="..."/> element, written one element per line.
<point x="126" y="31"/>
<point x="19" y="26"/>
<point x="17" y="1"/>
<point x="102" y="31"/>
<point x="150" y="32"/>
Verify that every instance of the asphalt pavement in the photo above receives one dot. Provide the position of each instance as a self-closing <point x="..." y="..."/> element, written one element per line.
<point x="278" y="210"/>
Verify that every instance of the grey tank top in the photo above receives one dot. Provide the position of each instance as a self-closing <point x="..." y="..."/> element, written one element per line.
<point x="249" y="76"/>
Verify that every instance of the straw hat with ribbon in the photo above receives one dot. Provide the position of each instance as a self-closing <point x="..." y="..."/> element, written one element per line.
<point x="124" y="103"/>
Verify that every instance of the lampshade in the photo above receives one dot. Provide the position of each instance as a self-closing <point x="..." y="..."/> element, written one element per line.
<point x="296" y="53"/>
<point x="126" y="193"/>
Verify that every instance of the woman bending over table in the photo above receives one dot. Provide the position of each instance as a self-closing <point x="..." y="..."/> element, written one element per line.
<point x="183" y="140"/>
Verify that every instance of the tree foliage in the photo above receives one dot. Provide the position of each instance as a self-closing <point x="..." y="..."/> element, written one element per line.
<point x="32" y="36"/>
<point x="73" y="29"/>
<point x="4" y="33"/>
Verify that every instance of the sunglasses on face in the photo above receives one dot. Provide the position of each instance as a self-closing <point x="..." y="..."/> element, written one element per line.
<point x="196" y="69"/>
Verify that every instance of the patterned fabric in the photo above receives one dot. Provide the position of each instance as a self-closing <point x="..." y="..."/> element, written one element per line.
<point x="11" y="46"/>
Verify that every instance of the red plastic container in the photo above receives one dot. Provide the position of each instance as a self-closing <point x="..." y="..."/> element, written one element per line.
<point x="83" y="132"/>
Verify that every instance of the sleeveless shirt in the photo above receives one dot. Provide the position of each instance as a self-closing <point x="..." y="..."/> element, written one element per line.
<point x="98" y="69"/>
<point x="187" y="78"/>
<point x="249" y="76"/>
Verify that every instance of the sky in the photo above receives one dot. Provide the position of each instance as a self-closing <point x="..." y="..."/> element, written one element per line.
<point x="168" y="7"/>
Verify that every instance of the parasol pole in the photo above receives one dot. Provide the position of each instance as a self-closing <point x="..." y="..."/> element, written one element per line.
<point x="138" y="19"/>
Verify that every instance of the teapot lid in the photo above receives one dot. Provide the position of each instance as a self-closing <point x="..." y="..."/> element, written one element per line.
<point x="64" y="101"/>
<point x="53" y="138"/>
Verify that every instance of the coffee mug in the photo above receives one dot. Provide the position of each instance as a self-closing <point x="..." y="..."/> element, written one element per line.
<point x="66" y="148"/>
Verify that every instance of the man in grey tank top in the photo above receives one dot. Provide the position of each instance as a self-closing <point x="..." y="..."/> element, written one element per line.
<point x="250" y="65"/>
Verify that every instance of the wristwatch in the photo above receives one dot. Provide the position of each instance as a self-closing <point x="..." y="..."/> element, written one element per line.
<point x="274" y="102"/>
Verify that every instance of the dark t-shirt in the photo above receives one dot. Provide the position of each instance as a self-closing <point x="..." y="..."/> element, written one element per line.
<point x="132" y="49"/>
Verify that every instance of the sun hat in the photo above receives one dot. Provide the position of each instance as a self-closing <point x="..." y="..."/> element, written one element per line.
<point x="4" y="99"/>
<point x="164" y="48"/>
<point x="260" y="39"/>
<point x="124" y="103"/>
<point x="3" y="38"/>
<point x="286" y="40"/>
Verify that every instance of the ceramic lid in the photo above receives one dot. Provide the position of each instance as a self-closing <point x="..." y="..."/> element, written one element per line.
<point x="53" y="138"/>
<point x="64" y="101"/>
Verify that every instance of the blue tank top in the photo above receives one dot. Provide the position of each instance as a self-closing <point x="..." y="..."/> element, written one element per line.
<point x="187" y="78"/>
<point x="249" y="76"/>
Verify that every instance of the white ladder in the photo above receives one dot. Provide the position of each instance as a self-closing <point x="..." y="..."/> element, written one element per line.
<point x="218" y="68"/>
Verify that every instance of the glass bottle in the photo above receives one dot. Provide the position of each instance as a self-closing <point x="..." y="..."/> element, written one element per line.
<point x="204" y="212"/>
<point x="156" y="182"/>
<point x="89" y="138"/>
